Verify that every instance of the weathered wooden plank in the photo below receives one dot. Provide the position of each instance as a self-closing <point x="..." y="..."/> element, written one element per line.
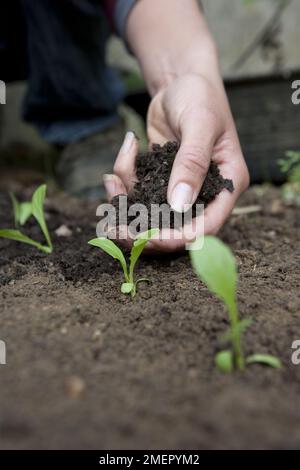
<point x="268" y="122"/>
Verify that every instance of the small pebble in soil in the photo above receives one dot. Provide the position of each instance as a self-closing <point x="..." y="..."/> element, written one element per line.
<point x="63" y="231"/>
<point x="74" y="386"/>
<point x="96" y="335"/>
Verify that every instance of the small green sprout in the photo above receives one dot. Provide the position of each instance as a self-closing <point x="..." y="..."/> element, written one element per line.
<point x="290" y="162"/>
<point x="109" y="247"/>
<point x="215" y="264"/>
<point x="290" y="165"/>
<point x="22" y="212"/>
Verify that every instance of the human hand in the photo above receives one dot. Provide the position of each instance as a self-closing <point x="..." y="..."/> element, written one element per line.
<point x="194" y="111"/>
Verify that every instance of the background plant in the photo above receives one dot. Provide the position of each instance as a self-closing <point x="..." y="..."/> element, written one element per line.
<point x="290" y="166"/>
<point x="22" y="213"/>
<point x="109" y="247"/>
<point x="215" y="265"/>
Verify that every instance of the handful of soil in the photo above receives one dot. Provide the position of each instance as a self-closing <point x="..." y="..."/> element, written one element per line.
<point x="153" y="171"/>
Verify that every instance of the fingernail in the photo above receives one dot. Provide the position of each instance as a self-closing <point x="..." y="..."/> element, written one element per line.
<point x="181" y="197"/>
<point x="128" y="141"/>
<point x="109" y="183"/>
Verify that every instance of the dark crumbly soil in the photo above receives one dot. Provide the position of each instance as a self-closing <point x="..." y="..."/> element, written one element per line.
<point x="148" y="364"/>
<point x="153" y="172"/>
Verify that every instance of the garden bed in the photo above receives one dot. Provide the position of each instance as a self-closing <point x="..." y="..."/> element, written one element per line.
<point x="88" y="367"/>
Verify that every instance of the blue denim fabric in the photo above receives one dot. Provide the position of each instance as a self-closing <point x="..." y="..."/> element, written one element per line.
<point x="71" y="92"/>
<point x="122" y="10"/>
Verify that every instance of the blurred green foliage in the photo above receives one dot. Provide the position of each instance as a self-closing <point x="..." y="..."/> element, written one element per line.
<point x="290" y="165"/>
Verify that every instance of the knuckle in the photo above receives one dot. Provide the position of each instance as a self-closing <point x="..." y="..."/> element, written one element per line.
<point x="204" y="113"/>
<point x="211" y="117"/>
<point x="119" y="168"/>
<point x="195" y="160"/>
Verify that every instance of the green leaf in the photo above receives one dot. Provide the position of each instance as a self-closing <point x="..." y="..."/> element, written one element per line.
<point x="291" y="193"/>
<point x="16" y="208"/>
<point x="294" y="177"/>
<point x="20" y="237"/>
<point x="265" y="359"/>
<point x="291" y="159"/>
<point x="127" y="288"/>
<point x="241" y="327"/>
<point x="22" y="210"/>
<point x="112" y="250"/>
<point x="37" y="202"/>
<point x="224" y="361"/>
<point x="215" y="265"/>
<point x="25" y="212"/>
<point x="138" y="247"/>
<point x="146" y="236"/>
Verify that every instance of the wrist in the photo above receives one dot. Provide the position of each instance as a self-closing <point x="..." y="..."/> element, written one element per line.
<point x="171" y="39"/>
<point x="200" y="59"/>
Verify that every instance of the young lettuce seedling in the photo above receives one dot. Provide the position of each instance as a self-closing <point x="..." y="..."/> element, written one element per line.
<point x="215" y="264"/>
<point x="109" y="247"/>
<point x="22" y="212"/>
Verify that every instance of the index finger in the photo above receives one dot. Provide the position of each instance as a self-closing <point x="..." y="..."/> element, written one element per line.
<point x="124" y="166"/>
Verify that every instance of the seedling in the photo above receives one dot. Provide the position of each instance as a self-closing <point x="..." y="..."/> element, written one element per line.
<point x="290" y="165"/>
<point x="109" y="247"/>
<point x="22" y="212"/>
<point x="215" y="264"/>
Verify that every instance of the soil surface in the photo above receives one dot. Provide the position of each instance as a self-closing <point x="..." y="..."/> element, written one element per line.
<point x="89" y="368"/>
<point x="153" y="172"/>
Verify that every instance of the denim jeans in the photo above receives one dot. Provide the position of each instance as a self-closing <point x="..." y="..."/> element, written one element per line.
<point x="71" y="92"/>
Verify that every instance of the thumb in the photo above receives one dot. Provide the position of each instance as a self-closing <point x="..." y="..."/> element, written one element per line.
<point x="191" y="163"/>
